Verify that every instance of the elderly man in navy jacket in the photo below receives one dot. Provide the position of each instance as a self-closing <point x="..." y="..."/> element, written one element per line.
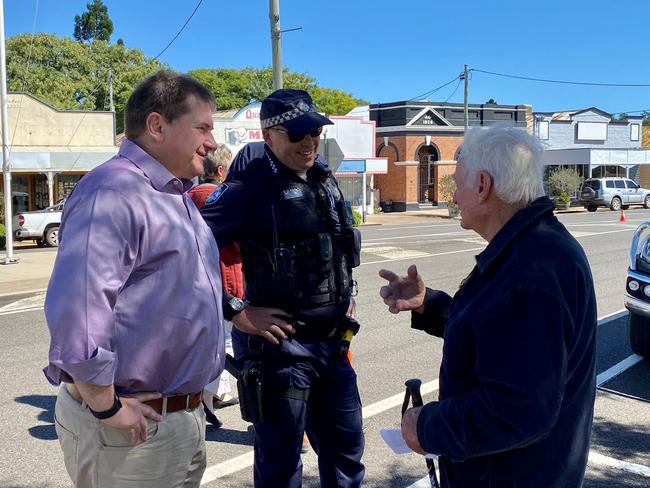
<point x="517" y="380"/>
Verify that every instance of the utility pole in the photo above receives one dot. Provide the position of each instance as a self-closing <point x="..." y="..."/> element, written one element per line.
<point x="276" y="42"/>
<point x="110" y="91"/>
<point x="465" y="77"/>
<point x="6" y="166"/>
<point x="111" y="105"/>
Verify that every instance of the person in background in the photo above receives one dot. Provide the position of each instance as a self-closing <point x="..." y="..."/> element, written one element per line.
<point x="215" y="169"/>
<point x="132" y="353"/>
<point x="517" y="378"/>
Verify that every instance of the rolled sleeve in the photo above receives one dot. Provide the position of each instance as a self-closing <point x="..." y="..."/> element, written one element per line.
<point x="97" y="252"/>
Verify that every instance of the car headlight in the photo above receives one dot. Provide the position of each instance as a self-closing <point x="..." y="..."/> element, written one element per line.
<point x="646" y="290"/>
<point x="633" y="285"/>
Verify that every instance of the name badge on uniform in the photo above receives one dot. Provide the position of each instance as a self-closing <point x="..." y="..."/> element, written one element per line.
<point x="214" y="196"/>
<point x="292" y="193"/>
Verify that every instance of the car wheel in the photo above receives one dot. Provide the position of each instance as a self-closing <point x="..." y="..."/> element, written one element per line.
<point x="616" y="204"/>
<point x="639" y="335"/>
<point x="625" y="207"/>
<point x="592" y="208"/>
<point x="646" y="201"/>
<point x="52" y="236"/>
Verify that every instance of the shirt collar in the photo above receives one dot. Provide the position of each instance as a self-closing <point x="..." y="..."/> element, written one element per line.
<point x="512" y="228"/>
<point x="160" y="177"/>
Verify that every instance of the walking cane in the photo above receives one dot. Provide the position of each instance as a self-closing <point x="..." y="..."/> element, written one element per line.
<point x="413" y="395"/>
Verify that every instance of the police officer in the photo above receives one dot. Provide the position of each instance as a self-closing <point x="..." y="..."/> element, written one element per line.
<point x="298" y="249"/>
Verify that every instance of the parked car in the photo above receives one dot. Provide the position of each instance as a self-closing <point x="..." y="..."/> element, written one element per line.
<point x="615" y="193"/>
<point x="41" y="226"/>
<point x="637" y="291"/>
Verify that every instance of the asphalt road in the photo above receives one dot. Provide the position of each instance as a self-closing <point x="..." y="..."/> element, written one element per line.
<point x="385" y="353"/>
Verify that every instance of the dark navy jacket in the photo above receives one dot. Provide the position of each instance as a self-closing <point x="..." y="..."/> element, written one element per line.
<point x="517" y="380"/>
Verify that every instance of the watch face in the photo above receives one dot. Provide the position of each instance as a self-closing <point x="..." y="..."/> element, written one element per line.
<point x="236" y="304"/>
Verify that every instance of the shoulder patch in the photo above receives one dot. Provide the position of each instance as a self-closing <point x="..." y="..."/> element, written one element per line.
<point x="292" y="193"/>
<point x="214" y="196"/>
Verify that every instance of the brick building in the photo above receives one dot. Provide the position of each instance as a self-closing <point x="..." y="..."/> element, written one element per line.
<point x="420" y="139"/>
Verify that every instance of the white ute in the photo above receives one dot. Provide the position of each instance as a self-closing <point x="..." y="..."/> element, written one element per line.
<point x="41" y="226"/>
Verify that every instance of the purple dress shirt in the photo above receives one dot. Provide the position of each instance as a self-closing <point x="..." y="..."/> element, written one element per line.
<point x="135" y="296"/>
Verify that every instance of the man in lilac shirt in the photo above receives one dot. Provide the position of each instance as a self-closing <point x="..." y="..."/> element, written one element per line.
<point x="133" y="305"/>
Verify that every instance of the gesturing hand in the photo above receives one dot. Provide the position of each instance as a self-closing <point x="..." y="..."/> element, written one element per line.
<point x="265" y="322"/>
<point x="133" y="416"/>
<point x="403" y="293"/>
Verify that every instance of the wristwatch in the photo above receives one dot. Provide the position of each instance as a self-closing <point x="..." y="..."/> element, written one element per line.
<point x="236" y="305"/>
<point x="107" y="414"/>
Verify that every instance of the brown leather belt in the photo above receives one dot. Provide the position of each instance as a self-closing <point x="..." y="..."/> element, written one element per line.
<point x="174" y="403"/>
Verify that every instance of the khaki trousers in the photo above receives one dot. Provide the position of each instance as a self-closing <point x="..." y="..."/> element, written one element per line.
<point x="99" y="456"/>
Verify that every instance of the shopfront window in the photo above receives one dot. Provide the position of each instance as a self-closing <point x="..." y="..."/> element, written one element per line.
<point x="351" y="187"/>
<point x="41" y="197"/>
<point x="65" y="184"/>
<point x="606" y="171"/>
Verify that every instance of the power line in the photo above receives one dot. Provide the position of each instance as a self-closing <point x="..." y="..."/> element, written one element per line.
<point x="455" y="89"/>
<point x="647" y="110"/>
<point x="430" y="92"/>
<point x="563" y="82"/>
<point x="179" y="32"/>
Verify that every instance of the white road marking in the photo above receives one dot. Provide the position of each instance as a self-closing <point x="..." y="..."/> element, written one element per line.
<point x="393" y="252"/>
<point x="596" y="459"/>
<point x="578" y="234"/>
<point x="425" y="256"/>
<point x="612" y="316"/>
<point x="245" y="460"/>
<point x="617" y="369"/>
<point x="30" y="303"/>
<point x="2" y="314"/>
<point x="442" y="234"/>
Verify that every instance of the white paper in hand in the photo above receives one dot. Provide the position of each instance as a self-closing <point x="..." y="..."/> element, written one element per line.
<point x="393" y="438"/>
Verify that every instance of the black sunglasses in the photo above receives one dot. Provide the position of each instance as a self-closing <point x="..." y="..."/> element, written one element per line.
<point x="295" y="138"/>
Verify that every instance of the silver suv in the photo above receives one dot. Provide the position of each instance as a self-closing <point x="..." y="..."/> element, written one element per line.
<point x="615" y="193"/>
<point x="637" y="291"/>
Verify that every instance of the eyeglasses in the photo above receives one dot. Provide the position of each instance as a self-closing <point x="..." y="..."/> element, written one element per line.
<point x="295" y="138"/>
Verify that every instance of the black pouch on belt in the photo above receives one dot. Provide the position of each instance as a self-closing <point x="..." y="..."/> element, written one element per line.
<point x="249" y="388"/>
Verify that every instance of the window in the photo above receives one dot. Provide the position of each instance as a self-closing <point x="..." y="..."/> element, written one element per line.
<point x="592" y="131"/>
<point x="634" y="132"/>
<point x="543" y="130"/>
<point x="609" y="184"/>
<point x="631" y="184"/>
<point x="619" y="184"/>
<point x="593" y="184"/>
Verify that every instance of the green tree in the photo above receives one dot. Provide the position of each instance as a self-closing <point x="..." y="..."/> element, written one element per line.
<point x="491" y="101"/>
<point x="236" y="88"/>
<point x="94" y="24"/>
<point x="621" y="117"/>
<point x="74" y="76"/>
<point x="563" y="183"/>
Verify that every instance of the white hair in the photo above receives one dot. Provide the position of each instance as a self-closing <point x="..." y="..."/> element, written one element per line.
<point x="511" y="156"/>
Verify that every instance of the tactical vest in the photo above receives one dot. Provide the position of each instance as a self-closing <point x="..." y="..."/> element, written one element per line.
<point x="303" y="250"/>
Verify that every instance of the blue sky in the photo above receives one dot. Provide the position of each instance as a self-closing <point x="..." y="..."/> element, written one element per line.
<point x="386" y="51"/>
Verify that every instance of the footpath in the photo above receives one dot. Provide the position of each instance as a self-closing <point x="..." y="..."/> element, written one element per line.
<point x="32" y="273"/>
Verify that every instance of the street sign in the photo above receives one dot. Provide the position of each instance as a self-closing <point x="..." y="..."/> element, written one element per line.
<point x="331" y="151"/>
